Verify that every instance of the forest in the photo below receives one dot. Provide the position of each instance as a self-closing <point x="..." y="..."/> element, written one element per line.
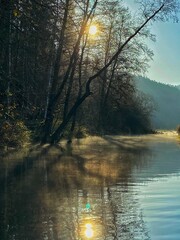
<point x="165" y="97"/>
<point x="67" y="67"/>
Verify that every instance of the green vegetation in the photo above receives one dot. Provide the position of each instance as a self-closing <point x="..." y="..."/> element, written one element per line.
<point x="13" y="131"/>
<point x="56" y="76"/>
<point x="14" y="134"/>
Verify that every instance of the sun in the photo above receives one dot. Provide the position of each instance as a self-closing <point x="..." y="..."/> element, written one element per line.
<point x="93" y="29"/>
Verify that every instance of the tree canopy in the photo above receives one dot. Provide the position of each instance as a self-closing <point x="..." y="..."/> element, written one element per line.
<point x="68" y="65"/>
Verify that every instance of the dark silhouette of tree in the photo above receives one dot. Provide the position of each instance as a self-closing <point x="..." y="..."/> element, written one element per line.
<point x="50" y="64"/>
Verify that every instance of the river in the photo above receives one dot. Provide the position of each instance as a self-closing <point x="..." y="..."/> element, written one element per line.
<point x="112" y="187"/>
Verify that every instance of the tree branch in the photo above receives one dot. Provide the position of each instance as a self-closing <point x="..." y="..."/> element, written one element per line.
<point x="120" y="49"/>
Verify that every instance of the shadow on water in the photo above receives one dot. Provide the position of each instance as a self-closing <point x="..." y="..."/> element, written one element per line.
<point x="45" y="192"/>
<point x="22" y="167"/>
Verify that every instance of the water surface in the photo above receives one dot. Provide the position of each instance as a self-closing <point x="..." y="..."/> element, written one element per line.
<point x="97" y="188"/>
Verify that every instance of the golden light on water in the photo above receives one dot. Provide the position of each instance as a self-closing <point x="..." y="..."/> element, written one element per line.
<point x="93" y="29"/>
<point x="88" y="225"/>
<point x="89" y="231"/>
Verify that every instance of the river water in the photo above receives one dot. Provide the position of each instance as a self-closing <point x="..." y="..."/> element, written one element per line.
<point x="98" y="188"/>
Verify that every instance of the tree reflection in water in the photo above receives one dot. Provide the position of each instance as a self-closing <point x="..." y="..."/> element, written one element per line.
<point x="45" y="192"/>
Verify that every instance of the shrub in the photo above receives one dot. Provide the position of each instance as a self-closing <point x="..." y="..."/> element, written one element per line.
<point x="81" y="132"/>
<point x="178" y="129"/>
<point x="14" y="134"/>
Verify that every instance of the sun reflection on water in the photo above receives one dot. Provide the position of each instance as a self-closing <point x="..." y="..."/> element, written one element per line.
<point x="89" y="233"/>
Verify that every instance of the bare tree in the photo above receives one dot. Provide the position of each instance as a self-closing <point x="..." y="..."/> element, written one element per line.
<point x="160" y="12"/>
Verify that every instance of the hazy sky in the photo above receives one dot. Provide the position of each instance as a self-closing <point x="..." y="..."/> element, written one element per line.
<point x="166" y="64"/>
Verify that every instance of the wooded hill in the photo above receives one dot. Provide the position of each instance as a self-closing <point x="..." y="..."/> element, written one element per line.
<point x="166" y="99"/>
<point x="178" y="86"/>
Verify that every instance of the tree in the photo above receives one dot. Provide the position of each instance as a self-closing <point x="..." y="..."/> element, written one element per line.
<point x="69" y="73"/>
<point x="161" y="7"/>
<point x="50" y="64"/>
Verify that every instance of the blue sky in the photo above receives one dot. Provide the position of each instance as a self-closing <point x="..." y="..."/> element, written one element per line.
<point x="165" y="66"/>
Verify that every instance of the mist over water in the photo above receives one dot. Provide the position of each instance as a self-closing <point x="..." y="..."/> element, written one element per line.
<point x="97" y="188"/>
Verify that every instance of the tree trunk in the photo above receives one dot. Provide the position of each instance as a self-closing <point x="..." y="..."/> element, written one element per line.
<point x="56" y="136"/>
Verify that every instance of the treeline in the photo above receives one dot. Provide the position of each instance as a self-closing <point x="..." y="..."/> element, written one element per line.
<point x="165" y="97"/>
<point x="56" y="76"/>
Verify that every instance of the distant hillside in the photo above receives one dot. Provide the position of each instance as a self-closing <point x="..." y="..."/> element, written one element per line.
<point x="167" y="98"/>
<point x="178" y="86"/>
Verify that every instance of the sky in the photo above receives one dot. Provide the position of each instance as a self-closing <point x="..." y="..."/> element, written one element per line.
<point x="165" y="66"/>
